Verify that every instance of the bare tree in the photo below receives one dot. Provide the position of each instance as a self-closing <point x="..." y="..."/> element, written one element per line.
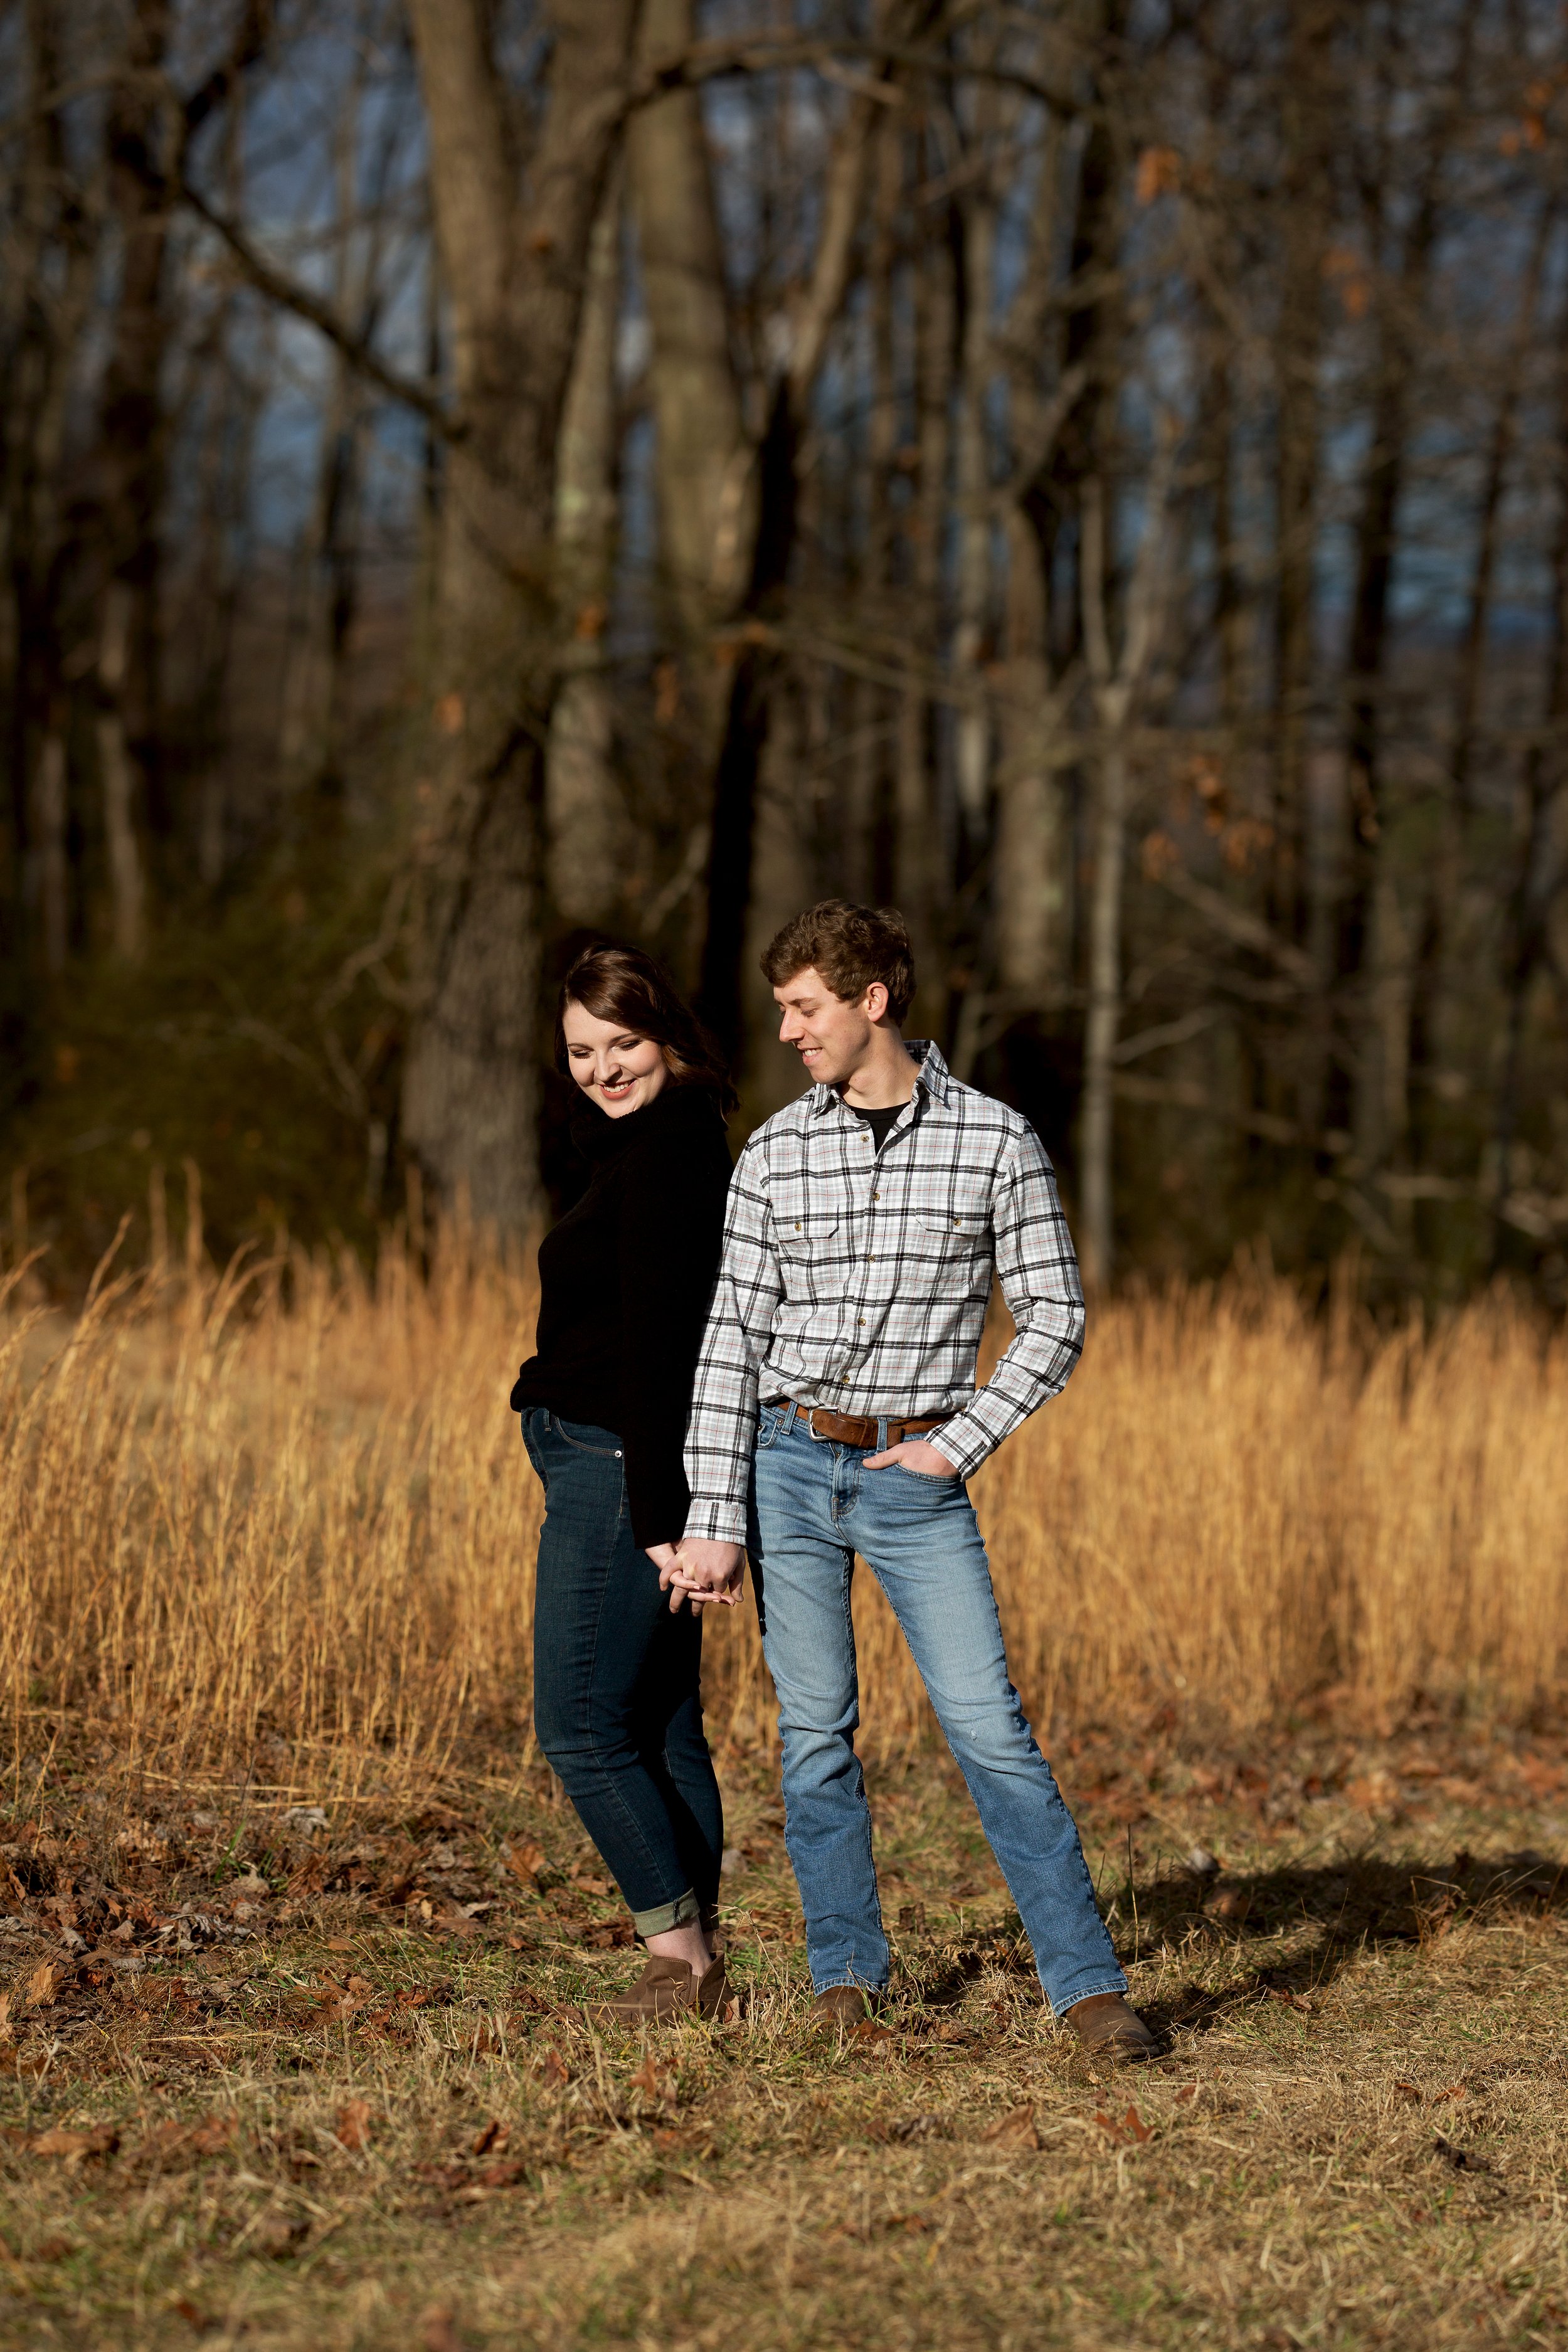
<point x="515" y="273"/>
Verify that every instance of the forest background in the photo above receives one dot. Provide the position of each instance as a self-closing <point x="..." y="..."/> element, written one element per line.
<point x="1092" y="473"/>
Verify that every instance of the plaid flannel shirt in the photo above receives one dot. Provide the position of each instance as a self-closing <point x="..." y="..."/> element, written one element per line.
<point x="858" y="1279"/>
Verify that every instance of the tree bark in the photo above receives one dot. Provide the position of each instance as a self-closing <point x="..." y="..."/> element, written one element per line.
<point x="1115" y="683"/>
<point x="130" y="463"/>
<point x="1033" y="856"/>
<point x="706" y="489"/>
<point x="1305" y="200"/>
<point x="590" y="845"/>
<point x="515" y="275"/>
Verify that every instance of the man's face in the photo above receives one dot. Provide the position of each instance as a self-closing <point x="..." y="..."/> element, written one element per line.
<point x="830" y="1037"/>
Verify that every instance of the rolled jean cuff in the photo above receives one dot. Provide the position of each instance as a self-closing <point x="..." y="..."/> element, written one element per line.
<point x="684" y="1912"/>
<point x="1117" y="1983"/>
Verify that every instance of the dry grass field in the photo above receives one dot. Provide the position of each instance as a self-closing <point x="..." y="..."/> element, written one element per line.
<point x="293" y="1926"/>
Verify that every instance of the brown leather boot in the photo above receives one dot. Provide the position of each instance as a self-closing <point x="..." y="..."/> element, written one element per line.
<point x="1109" y="2030"/>
<point x="844" y="2005"/>
<point x="666" y="1990"/>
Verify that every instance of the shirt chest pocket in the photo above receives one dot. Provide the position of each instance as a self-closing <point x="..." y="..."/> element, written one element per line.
<point x="808" y="1246"/>
<point x="954" y="1247"/>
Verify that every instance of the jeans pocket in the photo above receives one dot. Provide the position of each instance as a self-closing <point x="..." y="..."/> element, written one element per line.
<point x="772" y="1421"/>
<point x="585" y="1438"/>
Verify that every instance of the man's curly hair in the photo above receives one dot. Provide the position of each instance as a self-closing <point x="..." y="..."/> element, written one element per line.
<point x="851" y="947"/>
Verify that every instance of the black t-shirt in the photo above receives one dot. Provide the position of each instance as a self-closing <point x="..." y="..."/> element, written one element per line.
<point x="625" y="1282"/>
<point x="880" y="1123"/>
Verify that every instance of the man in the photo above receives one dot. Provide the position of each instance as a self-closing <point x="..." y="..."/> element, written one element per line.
<point x="834" y="1412"/>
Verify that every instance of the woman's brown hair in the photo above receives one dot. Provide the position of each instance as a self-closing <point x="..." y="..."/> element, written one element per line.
<point x="633" y="990"/>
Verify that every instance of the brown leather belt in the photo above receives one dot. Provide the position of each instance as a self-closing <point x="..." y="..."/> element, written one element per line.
<point x="861" y="1429"/>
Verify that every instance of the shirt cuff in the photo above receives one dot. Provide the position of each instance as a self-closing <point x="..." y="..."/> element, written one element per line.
<point x="712" y="1522"/>
<point x="961" y="1443"/>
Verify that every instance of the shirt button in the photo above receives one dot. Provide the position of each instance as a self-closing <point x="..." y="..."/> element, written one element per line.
<point x="861" y="1319"/>
<point x="875" y="1196"/>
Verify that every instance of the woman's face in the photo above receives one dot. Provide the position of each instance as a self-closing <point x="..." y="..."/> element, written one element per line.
<point x="614" y="1067"/>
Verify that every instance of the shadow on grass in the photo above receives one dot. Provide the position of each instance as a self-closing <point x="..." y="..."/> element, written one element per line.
<point x="1328" y="1915"/>
<point x="1331" y="1914"/>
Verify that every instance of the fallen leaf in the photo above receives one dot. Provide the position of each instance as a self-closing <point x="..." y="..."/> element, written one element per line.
<point x="1188" y="2091"/>
<point x="101" y="2139"/>
<point x="1133" y="2122"/>
<point x="43" y="1984"/>
<point x="1408" y="2091"/>
<point x="493" y="2136"/>
<point x="351" y="2129"/>
<point x="503" y="2175"/>
<point x="192" y="2313"/>
<point x="1461" y="2158"/>
<point x="277" y="2235"/>
<point x="213" y="2137"/>
<point x="646" y="2079"/>
<point x="869" y="2030"/>
<point x="1290" y="1999"/>
<point x="1455" y="2091"/>
<point x="554" y="2070"/>
<point x="1014" y="2130"/>
<point x="438" y="2331"/>
<point x="4" y="2016"/>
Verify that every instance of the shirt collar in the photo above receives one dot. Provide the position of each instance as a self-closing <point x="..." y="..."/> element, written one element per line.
<point x="932" y="1074"/>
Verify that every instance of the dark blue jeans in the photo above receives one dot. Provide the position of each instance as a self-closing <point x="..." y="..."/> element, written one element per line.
<point x="617" y="1703"/>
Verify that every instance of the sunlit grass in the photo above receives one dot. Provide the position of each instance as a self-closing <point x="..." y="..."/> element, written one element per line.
<point x="279" y="1522"/>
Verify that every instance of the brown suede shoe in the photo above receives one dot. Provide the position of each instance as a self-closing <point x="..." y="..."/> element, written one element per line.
<point x="844" y="2005"/>
<point x="666" y="1990"/>
<point x="1110" y="2032"/>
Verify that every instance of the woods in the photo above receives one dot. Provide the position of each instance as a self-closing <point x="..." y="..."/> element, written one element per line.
<point x="1095" y="475"/>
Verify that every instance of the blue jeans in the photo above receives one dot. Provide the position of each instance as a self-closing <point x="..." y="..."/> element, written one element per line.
<point x="617" y="1705"/>
<point x="813" y="1506"/>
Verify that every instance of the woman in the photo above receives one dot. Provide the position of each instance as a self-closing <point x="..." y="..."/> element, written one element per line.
<point x="625" y="1282"/>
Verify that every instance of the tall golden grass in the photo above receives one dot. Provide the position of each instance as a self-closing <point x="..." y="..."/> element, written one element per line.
<point x="278" y="1523"/>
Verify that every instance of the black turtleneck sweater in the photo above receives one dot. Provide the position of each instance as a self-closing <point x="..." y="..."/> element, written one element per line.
<point x="625" y="1281"/>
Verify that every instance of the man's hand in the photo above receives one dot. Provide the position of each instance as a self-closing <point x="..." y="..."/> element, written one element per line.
<point x="914" y="1455"/>
<point x="702" y="1570"/>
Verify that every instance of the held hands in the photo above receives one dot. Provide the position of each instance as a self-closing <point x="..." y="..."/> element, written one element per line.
<point x="699" y="1570"/>
<point x="914" y="1455"/>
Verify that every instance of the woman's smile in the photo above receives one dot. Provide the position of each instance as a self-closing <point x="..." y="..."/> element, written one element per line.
<point x="614" y="1067"/>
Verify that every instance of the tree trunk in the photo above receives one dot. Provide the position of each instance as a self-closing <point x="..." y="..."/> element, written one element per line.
<point x="1033" y="856"/>
<point x="130" y="462"/>
<point x="706" y="492"/>
<point x="589" y="836"/>
<point x="730" y="870"/>
<point x="515" y="275"/>
<point x="1097" y="1204"/>
<point x="972" y="734"/>
<point x="1305" y="198"/>
<point x="919" y="862"/>
<point x="1116" y="685"/>
<point x="1373" y="953"/>
<point x="49" y="819"/>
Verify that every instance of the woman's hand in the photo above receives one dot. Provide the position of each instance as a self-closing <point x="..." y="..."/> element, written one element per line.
<point x="702" y="1570"/>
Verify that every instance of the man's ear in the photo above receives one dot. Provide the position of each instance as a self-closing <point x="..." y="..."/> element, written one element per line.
<point x="875" y="1001"/>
